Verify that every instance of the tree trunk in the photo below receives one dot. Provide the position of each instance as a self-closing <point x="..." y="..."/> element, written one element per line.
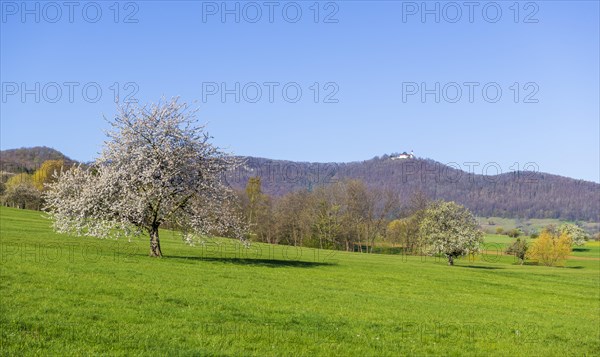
<point x="155" y="243"/>
<point x="450" y="260"/>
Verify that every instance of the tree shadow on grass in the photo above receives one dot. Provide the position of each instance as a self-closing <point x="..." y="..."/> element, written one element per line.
<point x="271" y="263"/>
<point x="559" y="266"/>
<point x="581" y="249"/>
<point x="479" y="267"/>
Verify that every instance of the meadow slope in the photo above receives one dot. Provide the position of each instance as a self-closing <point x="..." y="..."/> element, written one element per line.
<point x="62" y="295"/>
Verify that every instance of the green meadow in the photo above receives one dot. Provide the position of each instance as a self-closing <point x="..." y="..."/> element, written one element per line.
<point x="63" y="295"/>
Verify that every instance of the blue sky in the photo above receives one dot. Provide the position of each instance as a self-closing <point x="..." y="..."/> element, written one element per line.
<point x="371" y="62"/>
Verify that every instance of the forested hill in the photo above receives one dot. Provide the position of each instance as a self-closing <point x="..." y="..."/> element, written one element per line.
<point x="29" y="159"/>
<point x="525" y="194"/>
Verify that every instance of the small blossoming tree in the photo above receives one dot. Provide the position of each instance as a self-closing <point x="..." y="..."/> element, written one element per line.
<point x="157" y="167"/>
<point x="577" y="234"/>
<point x="450" y="229"/>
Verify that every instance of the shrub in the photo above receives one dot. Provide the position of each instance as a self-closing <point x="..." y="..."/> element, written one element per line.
<point x="550" y="248"/>
<point x="519" y="249"/>
<point x="514" y="233"/>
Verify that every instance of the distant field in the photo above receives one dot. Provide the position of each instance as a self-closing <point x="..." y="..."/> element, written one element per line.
<point x="498" y="239"/>
<point x="528" y="225"/>
<point x="63" y="295"/>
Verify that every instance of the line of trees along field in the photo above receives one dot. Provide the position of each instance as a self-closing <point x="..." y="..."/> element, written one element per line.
<point x="345" y="215"/>
<point x="351" y="216"/>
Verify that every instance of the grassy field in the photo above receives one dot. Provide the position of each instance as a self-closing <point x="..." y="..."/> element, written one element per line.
<point x="63" y="295"/>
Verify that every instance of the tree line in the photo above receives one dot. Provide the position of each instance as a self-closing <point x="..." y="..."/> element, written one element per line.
<point x="345" y="215"/>
<point x="349" y="215"/>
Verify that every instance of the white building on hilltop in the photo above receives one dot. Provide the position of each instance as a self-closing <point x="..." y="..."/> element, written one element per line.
<point x="404" y="155"/>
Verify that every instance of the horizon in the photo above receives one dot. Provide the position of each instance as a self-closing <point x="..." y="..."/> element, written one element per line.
<point x="360" y="80"/>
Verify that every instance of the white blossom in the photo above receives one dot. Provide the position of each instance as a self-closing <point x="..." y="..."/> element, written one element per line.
<point x="157" y="166"/>
<point x="577" y="234"/>
<point x="450" y="229"/>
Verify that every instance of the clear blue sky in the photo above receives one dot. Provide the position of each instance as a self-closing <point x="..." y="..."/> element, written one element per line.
<point x="371" y="54"/>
